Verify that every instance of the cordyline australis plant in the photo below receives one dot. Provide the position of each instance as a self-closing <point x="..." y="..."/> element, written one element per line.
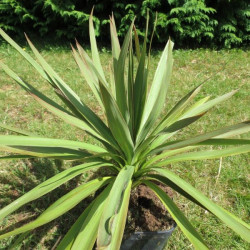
<point x="135" y="143"/>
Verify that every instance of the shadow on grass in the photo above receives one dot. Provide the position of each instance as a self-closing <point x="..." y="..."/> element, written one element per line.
<point x="24" y="180"/>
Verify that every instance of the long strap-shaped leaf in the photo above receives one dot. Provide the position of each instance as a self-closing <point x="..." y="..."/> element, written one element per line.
<point x="119" y="71"/>
<point x="69" y="94"/>
<point x="158" y="91"/>
<point x="29" y="142"/>
<point x="61" y="206"/>
<point x="115" y="47"/>
<point x="114" y="216"/>
<point x="154" y="141"/>
<point x="224" y="132"/>
<point x="201" y="155"/>
<point x="140" y="86"/>
<point x="50" y="185"/>
<point x="94" y="49"/>
<point x="177" y="110"/>
<point x="117" y="124"/>
<point x="24" y="54"/>
<point x="29" y="88"/>
<point x="230" y="220"/>
<point x="207" y="105"/>
<point x="82" y="235"/>
<point x="196" y="110"/>
<point x="88" y="75"/>
<point x="16" y="130"/>
<point x="51" y="105"/>
<point x="213" y="142"/>
<point x="41" y="152"/>
<point x="89" y="229"/>
<point x="179" y="217"/>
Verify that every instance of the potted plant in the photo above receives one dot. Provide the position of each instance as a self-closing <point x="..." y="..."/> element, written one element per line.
<point x="134" y="143"/>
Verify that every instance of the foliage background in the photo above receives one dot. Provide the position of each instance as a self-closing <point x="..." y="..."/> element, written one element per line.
<point x="190" y="23"/>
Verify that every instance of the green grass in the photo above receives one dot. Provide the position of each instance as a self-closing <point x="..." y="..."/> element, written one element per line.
<point x="230" y="188"/>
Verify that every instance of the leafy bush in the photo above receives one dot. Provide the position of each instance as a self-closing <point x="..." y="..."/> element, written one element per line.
<point x="136" y="143"/>
<point x="189" y="23"/>
<point x="233" y="22"/>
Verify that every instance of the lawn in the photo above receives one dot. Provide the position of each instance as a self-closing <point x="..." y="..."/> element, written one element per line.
<point x="225" y="181"/>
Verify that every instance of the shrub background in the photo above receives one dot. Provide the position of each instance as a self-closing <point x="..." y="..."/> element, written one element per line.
<point x="190" y="23"/>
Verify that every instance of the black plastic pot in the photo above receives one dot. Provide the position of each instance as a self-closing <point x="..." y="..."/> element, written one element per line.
<point x="147" y="240"/>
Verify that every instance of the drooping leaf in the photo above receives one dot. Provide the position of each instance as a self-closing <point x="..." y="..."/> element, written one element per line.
<point x="61" y="206"/>
<point x="16" y="130"/>
<point x="179" y="217"/>
<point x="46" y="147"/>
<point x="82" y="235"/>
<point x="230" y="220"/>
<point x="50" y="185"/>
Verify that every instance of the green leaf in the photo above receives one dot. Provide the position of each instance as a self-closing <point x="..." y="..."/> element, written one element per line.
<point x="114" y="216"/>
<point x="207" y="105"/>
<point x="114" y="38"/>
<point x="69" y="94"/>
<point x="16" y="130"/>
<point x="176" y="111"/>
<point x="140" y="87"/>
<point x="131" y="91"/>
<point x="29" y="88"/>
<point x="137" y="44"/>
<point x="61" y="206"/>
<point x="158" y="91"/>
<point x="52" y="106"/>
<point x="201" y="155"/>
<point x="224" y="132"/>
<point x="82" y="235"/>
<point x="216" y="142"/>
<point x="24" y="54"/>
<point x="179" y="217"/>
<point x="15" y="140"/>
<point x="71" y="235"/>
<point x="117" y="124"/>
<point x="230" y="220"/>
<point x="156" y="141"/>
<point x="50" y="185"/>
<point x="46" y="147"/>
<point x="88" y="74"/>
<point x="94" y="49"/>
<point x="119" y="71"/>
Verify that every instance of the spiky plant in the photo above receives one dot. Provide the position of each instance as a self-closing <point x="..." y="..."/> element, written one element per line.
<point x="135" y="141"/>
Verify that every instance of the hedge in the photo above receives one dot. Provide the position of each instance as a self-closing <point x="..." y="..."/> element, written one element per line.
<point x="190" y="23"/>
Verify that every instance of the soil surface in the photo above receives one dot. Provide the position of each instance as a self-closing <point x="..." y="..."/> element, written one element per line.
<point x="146" y="212"/>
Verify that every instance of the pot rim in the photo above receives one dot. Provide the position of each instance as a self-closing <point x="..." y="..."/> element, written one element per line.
<point x="156" y="232"/>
